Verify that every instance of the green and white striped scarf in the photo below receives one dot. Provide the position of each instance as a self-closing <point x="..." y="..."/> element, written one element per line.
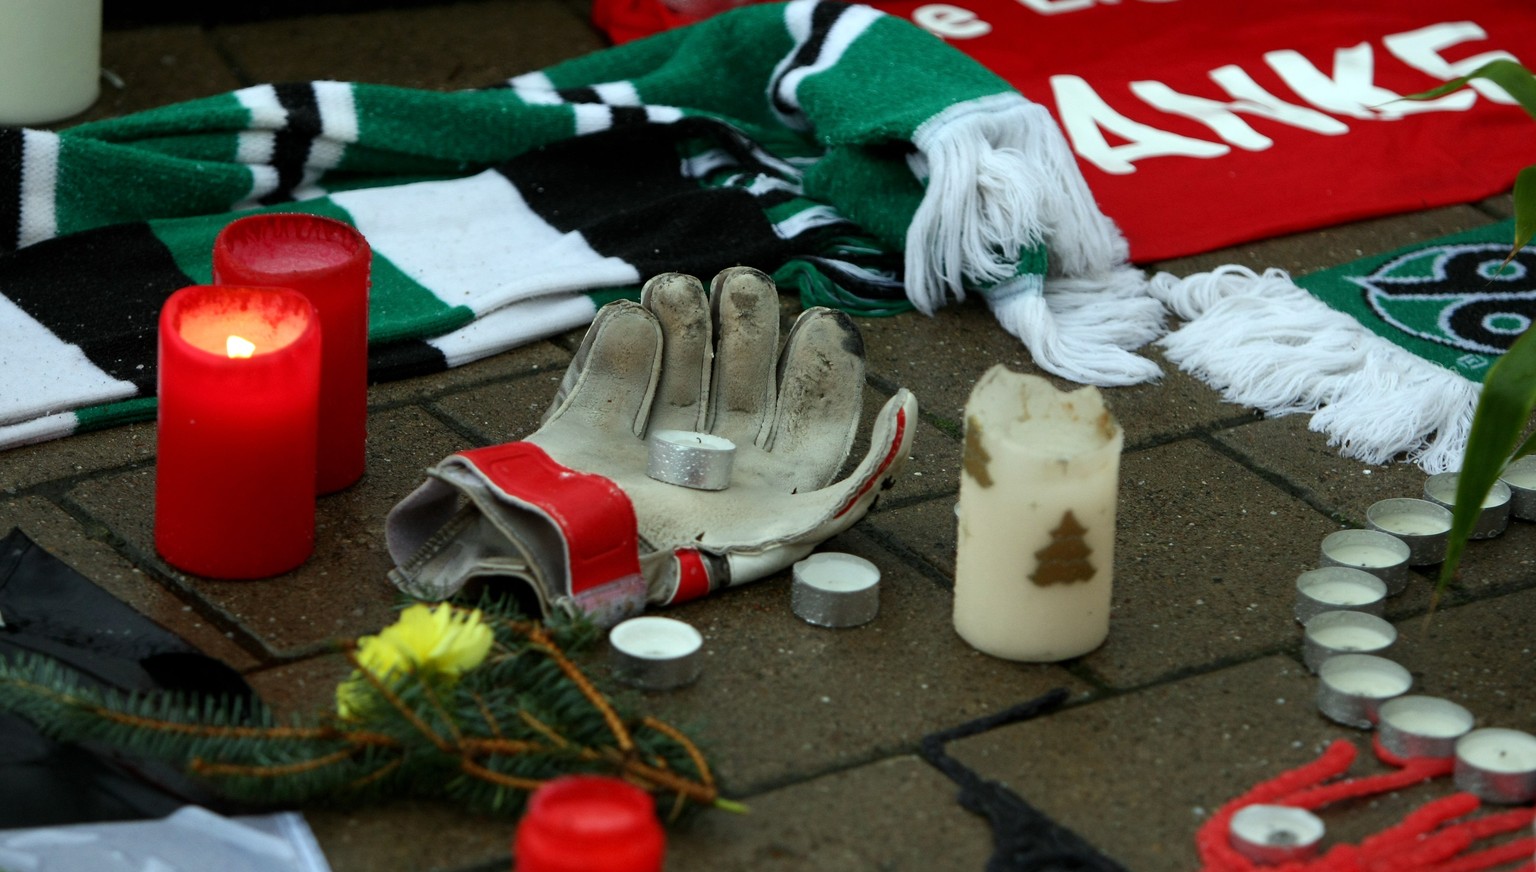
<point x="858" y="159"/>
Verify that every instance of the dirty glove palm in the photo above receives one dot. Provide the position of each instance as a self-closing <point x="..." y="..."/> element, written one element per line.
<point x="571" y="509"/>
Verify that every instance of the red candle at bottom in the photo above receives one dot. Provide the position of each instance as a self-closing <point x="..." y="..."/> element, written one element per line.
<point x="589" y="823"/>
<point x="239" y="383"/>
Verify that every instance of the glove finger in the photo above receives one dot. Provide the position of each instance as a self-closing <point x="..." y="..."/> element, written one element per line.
<point x="821" y="388"/>
<point x="611" y="382"/>
<point x="746" y="313"/>
<point x="682" y="310"/>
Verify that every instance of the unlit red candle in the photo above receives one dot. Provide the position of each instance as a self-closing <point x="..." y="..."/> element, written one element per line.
<point x="327" y="261"/>
<point x="239" y="379"/>
<point x="589" y="823"/>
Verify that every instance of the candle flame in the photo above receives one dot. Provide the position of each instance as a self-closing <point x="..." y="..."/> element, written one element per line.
<point x="236" y="346"/>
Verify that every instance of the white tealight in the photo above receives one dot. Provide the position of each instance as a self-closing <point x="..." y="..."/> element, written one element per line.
<point x="1498" y="765"/>
<point x="1423" y="526"/>
<point x="1352" y="687"/>
<point x="656" y="653"/>
<point x="1494" y="517"/>
<point x="1520" y="476"/>
<point x="1345" y="632"/>
<point x="833" y="589"/>
<point x="1333" y="588"/>
<point x="1381" y="554"/>
<point x="1422" y="726"/>
<point x="1274" y="834"/>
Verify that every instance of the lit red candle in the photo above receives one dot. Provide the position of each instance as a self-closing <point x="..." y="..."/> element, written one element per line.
<point x="239" y="385"/>
<point x="326" y="261"/>
<point x="589" y="823"/>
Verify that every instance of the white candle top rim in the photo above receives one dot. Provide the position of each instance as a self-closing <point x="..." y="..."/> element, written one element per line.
<point x="837" y="572"/>
<point x="1308" y="581"/>
<point x="1257" y="823"/>
<point x="693" y="440"/>
<point x="1346" y="665"/>
<point x="651" y="637"/>
<point x="1441" y="488"/>
<point x="1346" y="538"/>
<point x="1476" y="743"/>
<point x="1398" y="714"/>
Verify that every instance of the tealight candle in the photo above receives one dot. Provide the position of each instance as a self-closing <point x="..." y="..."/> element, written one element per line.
<point x="578" y="823"/>
<point x="328" y="262"/>
<point x="1422" y="525"/>
<point x="1491" y="521"/>
<point x="1422" y="726"/>
<point x="1274" y="834"/>
<point x="656" y="653"/>
<point x="1497" y="765"/>
<point x="831" y="589"/>
<point x="701" y="461"/>
<point x="50" y="59"/>
<point x="1345" y="632"/>
<point x="1039" y="478"/>
<point x="1336" y="588"/>
<point x="1373" y="551"/>
<point x="1352" y="687"/>
<point x="1520" y="477"/>
<point x="239" y="380"/>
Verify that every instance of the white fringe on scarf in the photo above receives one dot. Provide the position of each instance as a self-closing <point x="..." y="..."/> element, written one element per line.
<point x="1264" y="342"/>
<point x="1001" y="178"/>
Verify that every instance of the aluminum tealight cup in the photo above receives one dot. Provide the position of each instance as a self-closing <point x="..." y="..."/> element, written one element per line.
<point x="1422" y="525"/>
<point x="1494" y="517"/>
<point x="1345" y="632"/>
<point x="1275" y="834"/>
<point x="1352" y="687"/>
<point x="1497" y="765"/>
<point x="1412" y="727"/>
<point x="701" y="461"/>
<point x="1334" y="588"/>
<point x="1520" y="477"/>
<point x="1381" y="554"/>
<point x="655" y="653"/>
<point x="832" y="589"/>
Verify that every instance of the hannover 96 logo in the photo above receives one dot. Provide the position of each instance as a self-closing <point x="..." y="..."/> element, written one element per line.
<point x="1457" y="295"/>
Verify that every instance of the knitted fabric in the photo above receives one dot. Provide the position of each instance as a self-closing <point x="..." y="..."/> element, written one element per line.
<point x="858" y="159"/>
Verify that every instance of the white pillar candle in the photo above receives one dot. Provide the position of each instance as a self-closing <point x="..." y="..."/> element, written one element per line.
<point x="1497" y="765"/>
<point x="1038" y="489"/>
<point x="50" y="59"/>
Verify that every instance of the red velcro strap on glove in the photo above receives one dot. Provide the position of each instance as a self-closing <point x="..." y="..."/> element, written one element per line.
<point x="597" y="518"/>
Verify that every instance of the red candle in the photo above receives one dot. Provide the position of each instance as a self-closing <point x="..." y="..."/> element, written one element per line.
<point x="326" y="261"/>
<point x="589" y="823"/>
<point x="239" y="384"/>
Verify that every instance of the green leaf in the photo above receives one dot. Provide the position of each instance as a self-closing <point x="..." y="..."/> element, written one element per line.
<point x="1509" y="395"/>
<point x="1525" y="207"/>
<point x="1507" y="74"/>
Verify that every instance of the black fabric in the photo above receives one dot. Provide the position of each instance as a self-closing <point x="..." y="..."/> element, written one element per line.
<point x="50" y="609"/>
<point x="108" y="298"/>
<point x="10" y="206"/>
<point x="1024" y="838"/>
<point x="291" y="144"/>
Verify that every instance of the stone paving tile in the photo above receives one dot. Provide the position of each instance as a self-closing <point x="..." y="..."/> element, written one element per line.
<point x="156" y="66"/>
<point x="305" y="687"/>
<point x="420" y="836"/>
<point x="1136" y="775"/>
<point x="342" y="591"/>
<point x="781" y="699"/>
<point x="64" y="538"/>
<point x="29" y="465"/>
<point x="451" y="46"/>
<point x="1481" y="655"/>
<point x="897" y="814"/>
<point x="1206" y="556"/>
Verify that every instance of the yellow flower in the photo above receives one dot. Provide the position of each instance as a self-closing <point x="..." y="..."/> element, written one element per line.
<point x="430" y="642"/>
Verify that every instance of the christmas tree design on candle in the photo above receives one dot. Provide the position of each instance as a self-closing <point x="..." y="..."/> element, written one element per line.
<point x="1065" y="559"/>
